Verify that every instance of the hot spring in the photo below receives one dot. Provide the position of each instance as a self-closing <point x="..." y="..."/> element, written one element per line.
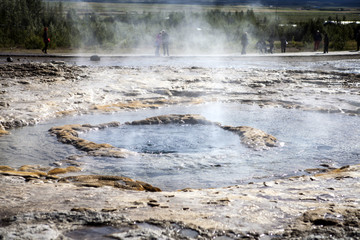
<point x="176" y="156"/>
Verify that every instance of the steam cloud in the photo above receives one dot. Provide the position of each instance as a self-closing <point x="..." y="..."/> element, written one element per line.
<point x="195" y="29"/>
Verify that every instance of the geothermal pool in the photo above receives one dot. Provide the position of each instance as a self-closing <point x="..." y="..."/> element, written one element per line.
<point x="179" y="156"/>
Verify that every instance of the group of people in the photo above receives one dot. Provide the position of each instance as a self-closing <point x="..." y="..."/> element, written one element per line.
<point x="162" y="40"/>
<point x="318" y="38"/>
<point x="261" y="45"/>
<point x="268" y="48"/>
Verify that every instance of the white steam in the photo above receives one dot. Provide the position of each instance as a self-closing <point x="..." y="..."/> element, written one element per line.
<point x="191" y="34"/>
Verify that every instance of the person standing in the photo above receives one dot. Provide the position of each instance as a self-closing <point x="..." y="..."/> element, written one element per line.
<point x="317" y="40"/>
<point x="244" y="42"/>
<point x="326" y="43"/>
<point x="357" y="38"/>
<point x="165" y="42"/>
<point x="46" y="40"/>
<point x="283" y="43"/>
<point x="158" y="43"/>
<point x="271" y="44"/>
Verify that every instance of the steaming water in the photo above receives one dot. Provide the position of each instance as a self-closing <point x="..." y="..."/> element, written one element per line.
<point x="293" y="63"/>
<point x="296" y="63"/>
<point x="172" y="138"/>
<point x="179" y="156"/>
<point x="335" y="64"/>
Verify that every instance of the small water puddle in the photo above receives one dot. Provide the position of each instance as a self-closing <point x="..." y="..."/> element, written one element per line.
<point x="141" y="230"/>
<point x="95" y="232"/>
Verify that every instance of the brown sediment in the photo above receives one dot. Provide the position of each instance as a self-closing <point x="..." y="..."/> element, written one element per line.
<point x="149" y="103"/>
<point x="20" y="173"/>
<point x="174" y="119"/>
<point x="343" y="172"/>
<point x="68" y="134"/>
<point x="41" y="171"/>
<point x="252" y="137"/>
<point x="27" y="171"/>
<point x="33" y="172"/>
<point x="113" y="181"/>
<point x="4" y="132"/>
<point x="127" y="105"/>
<point x="64" y="170"/>
<point x="6" y="168"/>
<point x="65" y="113"/>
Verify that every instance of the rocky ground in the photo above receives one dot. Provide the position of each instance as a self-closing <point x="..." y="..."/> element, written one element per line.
<point x="33" y="92"/>
<point x="37" y="206"/>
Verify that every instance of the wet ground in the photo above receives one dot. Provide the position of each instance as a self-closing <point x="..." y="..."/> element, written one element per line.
<point x="40" y="93"/>
<point x="335" y="61"/>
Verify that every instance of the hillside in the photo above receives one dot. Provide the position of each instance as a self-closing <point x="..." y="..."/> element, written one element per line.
<point x="295" y="3"/>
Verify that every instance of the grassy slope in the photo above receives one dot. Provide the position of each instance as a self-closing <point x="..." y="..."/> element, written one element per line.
<point x="288" y="14"/>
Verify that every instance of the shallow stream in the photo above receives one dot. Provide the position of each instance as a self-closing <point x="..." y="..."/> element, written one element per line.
<point x="197" y="156"/>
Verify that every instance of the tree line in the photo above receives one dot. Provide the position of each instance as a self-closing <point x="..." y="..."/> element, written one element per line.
<point x="22" y="23"/>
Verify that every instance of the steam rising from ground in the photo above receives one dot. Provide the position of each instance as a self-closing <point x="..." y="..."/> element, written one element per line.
<point x="191" y="30"/>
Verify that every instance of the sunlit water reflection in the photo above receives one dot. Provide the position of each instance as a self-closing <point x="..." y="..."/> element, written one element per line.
<point x="179" y="156"/>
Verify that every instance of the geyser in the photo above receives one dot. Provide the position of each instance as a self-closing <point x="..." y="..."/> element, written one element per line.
<point x="182" y="155"/>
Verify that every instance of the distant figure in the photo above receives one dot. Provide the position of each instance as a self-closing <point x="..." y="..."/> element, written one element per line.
<point x="158" y="43"/>
<point x="261" y="46"/>
<point x="46" y="40"/>
<point x="357" y="37"/>
<point x="244" y="43"/>
<point x="326" y="43"/>
<point x="165" y="42"/>
<point x="283" y="43"/>
<point x="271" y="44"/>
<point x="317" y="40"/>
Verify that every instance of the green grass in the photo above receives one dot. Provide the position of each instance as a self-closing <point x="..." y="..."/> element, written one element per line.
<point x="286" y="15"/>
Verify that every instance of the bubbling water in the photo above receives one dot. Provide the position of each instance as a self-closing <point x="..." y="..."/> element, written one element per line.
<point x="169" y="138"/>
